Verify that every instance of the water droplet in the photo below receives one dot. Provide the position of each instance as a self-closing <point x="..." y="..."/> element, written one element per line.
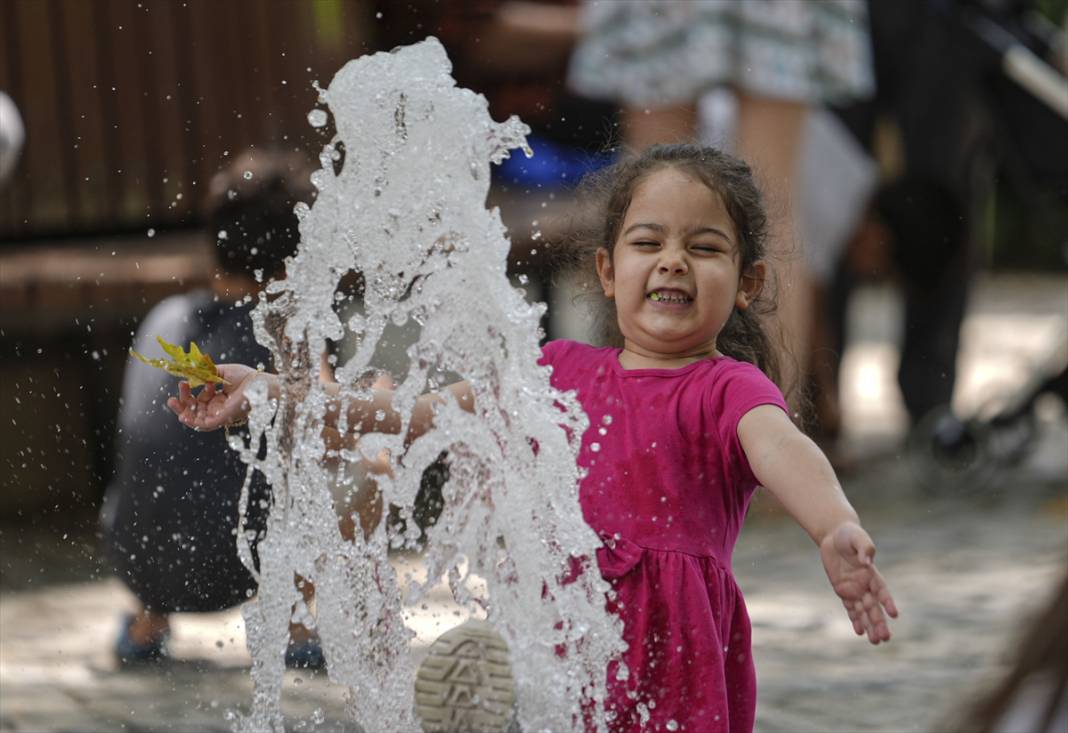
<point x="247" y="175"/>
<point x="317" y="118"/>
<point x="595" y="447"/>
<point x="151" y="233"/>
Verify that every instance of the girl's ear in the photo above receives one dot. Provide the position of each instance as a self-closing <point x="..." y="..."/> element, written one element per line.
<point x="605" y="272"/>
<point x="750" y="284"/>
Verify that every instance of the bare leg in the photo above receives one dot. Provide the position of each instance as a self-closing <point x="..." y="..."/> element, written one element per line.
<point x="298" y="632"/>
<point x="148" y="627"/>
<point x="823" y="372"/>
<point x="769" y="134"/>
<point x="364" y="511"/>
<point x="643" y="127"/>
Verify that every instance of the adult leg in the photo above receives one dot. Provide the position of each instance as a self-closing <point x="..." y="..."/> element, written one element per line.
<point x="645" y="126"/>
<point x="928" y="369"/>
<point x="937" y="104"/>
<point x="768" y="138"/>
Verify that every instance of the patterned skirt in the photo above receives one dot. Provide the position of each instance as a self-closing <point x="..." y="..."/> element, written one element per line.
<point x="666" y="52"/>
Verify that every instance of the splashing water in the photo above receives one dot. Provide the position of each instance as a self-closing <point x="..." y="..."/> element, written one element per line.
<point x="407" y="210"/>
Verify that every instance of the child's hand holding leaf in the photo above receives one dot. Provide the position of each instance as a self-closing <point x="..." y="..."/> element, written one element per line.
<point x="211" y="408"/>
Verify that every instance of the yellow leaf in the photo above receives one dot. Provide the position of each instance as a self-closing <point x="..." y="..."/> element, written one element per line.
<point x="196" y="367"/>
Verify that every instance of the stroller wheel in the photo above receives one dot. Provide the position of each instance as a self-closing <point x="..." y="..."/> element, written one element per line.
<point x="1012" y="437"/>
<point x="950" y="456"/>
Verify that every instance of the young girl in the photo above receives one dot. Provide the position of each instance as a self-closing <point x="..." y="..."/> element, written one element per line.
<point x="692" y="427"/>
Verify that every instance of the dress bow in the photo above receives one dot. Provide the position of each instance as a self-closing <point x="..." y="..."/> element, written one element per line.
<point x="617" y="557"/>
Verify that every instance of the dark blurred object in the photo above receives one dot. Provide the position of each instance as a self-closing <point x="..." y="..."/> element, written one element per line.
<point x="516" y="53"/>
<point x="927" y="227"/>
<point x="1033" y="696"/>
<point x="1009" y="42"/>
<point x="966" y="128"/>
<point x="1023" y="61"/>
<point x="131" y="107"/>
<point x="951" y="454"/>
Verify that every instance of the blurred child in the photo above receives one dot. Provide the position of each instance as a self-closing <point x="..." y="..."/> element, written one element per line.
<point x="170" y="513"/>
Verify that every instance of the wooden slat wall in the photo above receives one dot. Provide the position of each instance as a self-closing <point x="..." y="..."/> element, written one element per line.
<point x="130" y="106"/>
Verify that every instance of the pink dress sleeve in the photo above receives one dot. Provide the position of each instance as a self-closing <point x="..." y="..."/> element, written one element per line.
<point x="741" y="389"/>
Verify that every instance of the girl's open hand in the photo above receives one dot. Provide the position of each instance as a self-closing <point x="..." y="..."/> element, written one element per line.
<point x="848" y="554"/>
<point x="212" y="407"/>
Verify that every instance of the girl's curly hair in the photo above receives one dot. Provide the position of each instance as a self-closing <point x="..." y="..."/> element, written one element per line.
<point x="606" y="196"/>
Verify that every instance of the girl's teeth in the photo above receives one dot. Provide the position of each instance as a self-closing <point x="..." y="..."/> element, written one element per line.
<point x="660" y="297"/>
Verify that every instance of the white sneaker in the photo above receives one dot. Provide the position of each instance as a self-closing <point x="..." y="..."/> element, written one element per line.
<point x="465" y="683"/>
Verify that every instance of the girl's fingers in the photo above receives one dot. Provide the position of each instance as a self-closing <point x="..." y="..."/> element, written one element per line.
<point x="882" y="592"/>
<point x="858" y="627"/>
<point x="863" y="547"/>
<point x="873" y="610"/>
<point x="871" y="625"/>
<point x="207" y="393"/>
<point x="876" y="620"/>
<point x="862" y="617"/>
<point x="887" y="602"/>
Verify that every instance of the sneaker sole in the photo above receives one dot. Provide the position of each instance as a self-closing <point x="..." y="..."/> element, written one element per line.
<point x="465" y="684"/>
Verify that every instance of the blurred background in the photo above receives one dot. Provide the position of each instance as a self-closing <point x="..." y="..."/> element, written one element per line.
<point x="118" y="113"/>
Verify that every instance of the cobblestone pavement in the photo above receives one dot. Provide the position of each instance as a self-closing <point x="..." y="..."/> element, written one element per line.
<point x="968" y="571"/>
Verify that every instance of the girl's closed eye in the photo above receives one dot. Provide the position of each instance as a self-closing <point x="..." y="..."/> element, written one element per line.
<point x="709" y="248"/>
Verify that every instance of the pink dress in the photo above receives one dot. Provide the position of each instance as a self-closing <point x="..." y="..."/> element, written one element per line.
<point x="667" y="488"/>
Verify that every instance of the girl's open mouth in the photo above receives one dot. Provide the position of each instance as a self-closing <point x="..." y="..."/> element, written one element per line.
<point x="669" y="297"/>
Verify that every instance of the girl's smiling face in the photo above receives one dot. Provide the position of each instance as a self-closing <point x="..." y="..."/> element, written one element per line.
<point x="674" y="271"/>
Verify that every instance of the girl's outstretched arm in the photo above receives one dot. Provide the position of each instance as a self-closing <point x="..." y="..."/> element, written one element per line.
<point x="212" y="408"/>
<point x="794" y="469"/>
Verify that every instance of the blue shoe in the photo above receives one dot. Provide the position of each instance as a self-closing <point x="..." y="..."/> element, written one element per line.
<point x="128" y="651"/>
<point x="307" y="654"/>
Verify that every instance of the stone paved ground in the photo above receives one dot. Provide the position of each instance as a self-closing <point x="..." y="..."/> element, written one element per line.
<point x="967" y="569"/>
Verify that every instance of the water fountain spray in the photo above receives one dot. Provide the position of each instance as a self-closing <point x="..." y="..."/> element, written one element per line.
<point x="401" y="201"/>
